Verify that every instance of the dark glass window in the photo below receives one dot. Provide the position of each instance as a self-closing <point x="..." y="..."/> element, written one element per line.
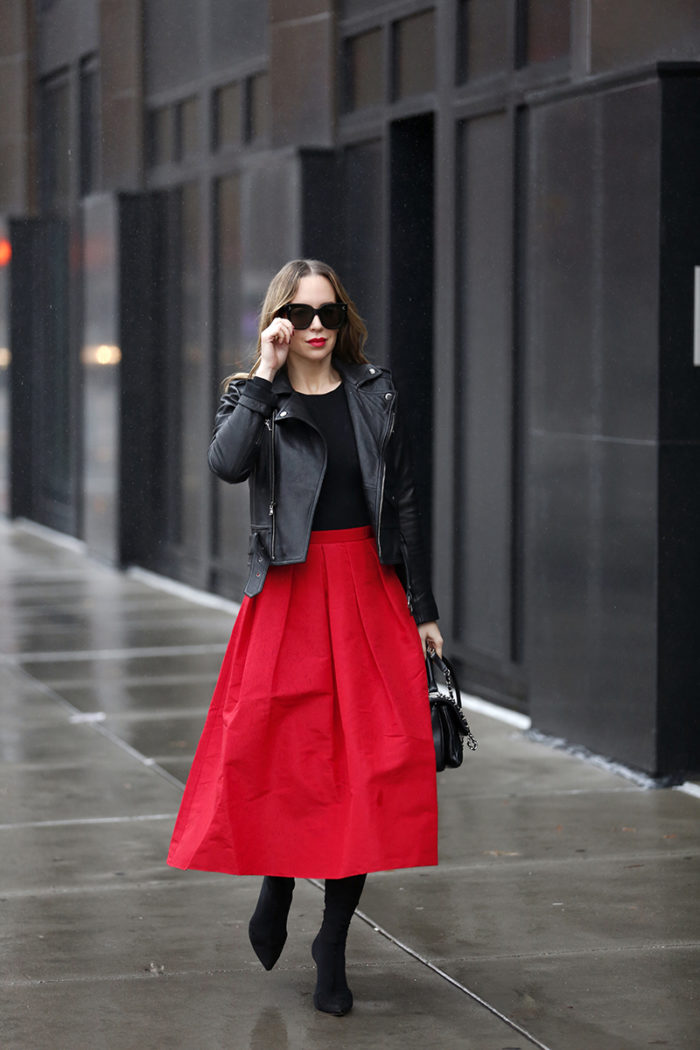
<point x="483" y="38"/>
<point x="228" y="116"/>
<point x="228" y="274"/>
<point x="364" y="67"/>
<point x="161" y="135"/>
<point x="187" y="123"/>
<point x="547" y="29"/>
<point x="5" y="254"/>
<point x="363" y="216"/>
<point x="194" y="369"/>
<point x="89" y="127"/>
<point x="258" y="107"/>
<point x="233" y="353"/>
<point x="56" y="154"/>
<point x="414" y="55"/>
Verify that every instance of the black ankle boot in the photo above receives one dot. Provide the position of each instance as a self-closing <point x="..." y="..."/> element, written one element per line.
<point x="332" y="995"/>
<point x="267" y="928"/>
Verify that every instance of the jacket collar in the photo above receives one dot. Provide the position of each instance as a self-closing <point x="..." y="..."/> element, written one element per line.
<point x="357" y="374"/>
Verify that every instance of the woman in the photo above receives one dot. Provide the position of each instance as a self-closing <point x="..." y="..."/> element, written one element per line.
<point x="316" y="759"/>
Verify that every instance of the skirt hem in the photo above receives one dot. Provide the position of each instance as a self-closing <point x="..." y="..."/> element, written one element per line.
<point x="313" y="874"/>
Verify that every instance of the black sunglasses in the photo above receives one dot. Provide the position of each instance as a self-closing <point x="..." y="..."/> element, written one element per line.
<point x="331" y="315"/>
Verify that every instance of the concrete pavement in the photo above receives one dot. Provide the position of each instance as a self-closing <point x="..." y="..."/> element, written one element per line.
<point x="564" y="913"/>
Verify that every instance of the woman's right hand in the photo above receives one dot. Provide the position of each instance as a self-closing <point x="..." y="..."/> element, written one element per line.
<point x="274" y="347"/>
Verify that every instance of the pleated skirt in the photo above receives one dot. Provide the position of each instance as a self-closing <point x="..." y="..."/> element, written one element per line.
<point x="316" y="759"/>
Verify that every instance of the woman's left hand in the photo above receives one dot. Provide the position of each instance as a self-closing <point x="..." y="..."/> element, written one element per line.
<point x="430" y="636"/>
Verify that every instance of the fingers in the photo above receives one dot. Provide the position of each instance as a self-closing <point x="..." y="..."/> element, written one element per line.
<point x="436" y="645"/>
<point x="274" y="343"/>
<point x="279" y="331"/>
<point x="431" y="638"/>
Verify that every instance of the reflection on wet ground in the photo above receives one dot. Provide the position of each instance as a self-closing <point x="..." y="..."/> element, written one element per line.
<point x="563" y="913"/>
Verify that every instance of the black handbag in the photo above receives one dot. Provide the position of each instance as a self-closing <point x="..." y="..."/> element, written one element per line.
<point x="450" y="726"/>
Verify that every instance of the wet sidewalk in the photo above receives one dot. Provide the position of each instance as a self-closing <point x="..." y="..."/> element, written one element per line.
<point x="564" y="913"/>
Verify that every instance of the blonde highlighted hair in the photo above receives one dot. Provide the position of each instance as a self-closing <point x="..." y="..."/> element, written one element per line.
<point x="351" y="338"/>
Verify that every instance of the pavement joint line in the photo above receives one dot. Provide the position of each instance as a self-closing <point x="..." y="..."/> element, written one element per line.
<point x="496" y="865"/>
<point x="102" y="889"/>
<point x="544" y="793"/>
<point x="565" y="953"/>
<point x="103" y="978"/>
<point x="68" y="656"/>
<point x="441" y="973"/>
<point x="151" y="715"/>
<point x="79" y="821"/>
<point x="101" y="728"/>
<point x="451" y="980"/>
<point x="139" y="680"/>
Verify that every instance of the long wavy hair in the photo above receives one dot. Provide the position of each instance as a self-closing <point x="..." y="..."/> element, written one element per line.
<point x="351" y="338"/>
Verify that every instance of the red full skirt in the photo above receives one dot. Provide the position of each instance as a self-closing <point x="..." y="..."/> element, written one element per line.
<point x="316" y="759"/>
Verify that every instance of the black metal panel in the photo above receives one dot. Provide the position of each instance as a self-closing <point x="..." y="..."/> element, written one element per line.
<point x="481" y="610"/>
<point x="561" y="268"/>
<point x="144" y="381"/>
<point x="679" y="428"/>
<point x="234" y="351"/>
<point x="5" y="262"/>
<point x="592" y="607"/>
<point x="321" y="214"/>
<point x="411" y="252"/>
<point x="183" y="369"/>
<point x="592" y="497"/>
<point x="627" y="322"/>
<point x="45" y="414"/>
<point x="679" y="401"/>
<point x="363" y="217"/>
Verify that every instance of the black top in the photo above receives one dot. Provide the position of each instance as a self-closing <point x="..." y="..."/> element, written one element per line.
<point x="341" y="503"/>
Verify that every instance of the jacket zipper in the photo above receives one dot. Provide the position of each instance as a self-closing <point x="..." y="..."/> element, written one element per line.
<point x="385" y="440"/>
<point x="270" y="423"/>
<point x="409" y="589"/>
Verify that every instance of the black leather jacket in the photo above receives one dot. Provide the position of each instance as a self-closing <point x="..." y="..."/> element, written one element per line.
<point x="267" y="437"/>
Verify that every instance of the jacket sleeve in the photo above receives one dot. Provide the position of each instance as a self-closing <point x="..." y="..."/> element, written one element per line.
<point x="423" y="605"/>
<point x="239" y="428"/>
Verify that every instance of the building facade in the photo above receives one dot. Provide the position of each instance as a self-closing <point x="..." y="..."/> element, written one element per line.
<point x="508" y="188"/>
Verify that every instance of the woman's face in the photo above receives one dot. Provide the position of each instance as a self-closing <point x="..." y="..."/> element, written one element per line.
<point x="314" y="343"/>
